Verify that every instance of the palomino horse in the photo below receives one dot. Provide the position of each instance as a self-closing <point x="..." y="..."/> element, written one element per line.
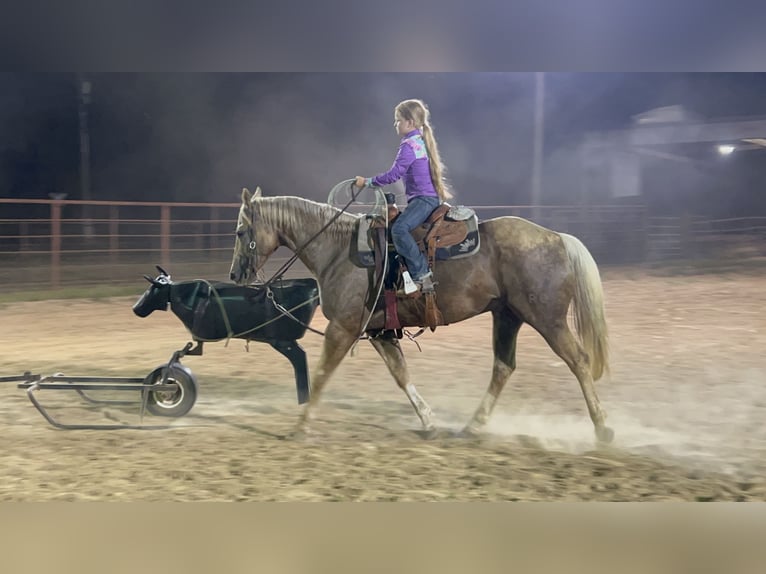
<point x="523" y="273"/>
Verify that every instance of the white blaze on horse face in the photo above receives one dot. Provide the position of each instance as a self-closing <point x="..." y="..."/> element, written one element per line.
<point x="241" y="260"/>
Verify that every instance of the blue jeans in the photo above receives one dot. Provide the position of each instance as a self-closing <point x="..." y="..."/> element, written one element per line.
<point x="417" y="211"/>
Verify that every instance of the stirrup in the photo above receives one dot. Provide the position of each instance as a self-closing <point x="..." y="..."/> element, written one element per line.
<point x="426" y="284"/>
<point x="411" y="288"/>
<point x="408" y="285"/>
<point x="403" y="293"/>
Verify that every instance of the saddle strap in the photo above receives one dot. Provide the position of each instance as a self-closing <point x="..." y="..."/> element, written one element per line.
<point x="431" y="252"/>
<point x="433" y="316"/>
<point x="379" y="244"/>
<point x="392" y="315"/>
<point x="431" y="233"/>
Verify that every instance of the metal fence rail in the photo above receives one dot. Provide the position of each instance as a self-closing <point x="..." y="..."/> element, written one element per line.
<point x="739" y="237"/>
<point x="53" y="243"/>
<point x="48" y="243"/>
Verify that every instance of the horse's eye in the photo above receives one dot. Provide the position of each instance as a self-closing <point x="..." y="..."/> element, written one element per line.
<point x="240" y="233"/>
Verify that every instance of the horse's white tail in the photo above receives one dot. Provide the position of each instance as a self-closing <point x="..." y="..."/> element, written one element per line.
<point x="588" y="305"/>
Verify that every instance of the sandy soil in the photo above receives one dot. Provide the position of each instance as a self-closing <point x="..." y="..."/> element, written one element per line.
<point x="686" y="398"/>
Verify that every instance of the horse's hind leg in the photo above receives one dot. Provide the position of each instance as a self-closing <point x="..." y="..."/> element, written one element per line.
<point x="566" y="346"/>
<point x="388" y="347"/>
<point x="336" y="344"/>
<point x="505" y="329"/>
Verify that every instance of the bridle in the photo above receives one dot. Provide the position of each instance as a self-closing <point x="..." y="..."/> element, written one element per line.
<point x="250" y="250"/>
<point x="252" y="254"/>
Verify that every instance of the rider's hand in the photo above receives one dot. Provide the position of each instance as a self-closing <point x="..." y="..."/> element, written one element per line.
<point x="360" y="182"/>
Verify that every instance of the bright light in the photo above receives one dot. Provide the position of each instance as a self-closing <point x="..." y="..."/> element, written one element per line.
<point x="726" y="149"/>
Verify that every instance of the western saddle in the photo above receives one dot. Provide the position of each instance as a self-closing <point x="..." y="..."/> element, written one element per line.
<point x="450" y="232"/>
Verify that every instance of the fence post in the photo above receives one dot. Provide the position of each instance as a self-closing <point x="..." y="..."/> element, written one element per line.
<point x="199" y="234"/>
<point x="165" y="236"/>
<point x="114" y="233"/>
<point x="55" y="244"/>
<point x="644" y="248"/>
<point x="24" y="236"/>
<point x="685" y="232"/>
<point x="213" y="242"/>
<point x="583" y="228"/>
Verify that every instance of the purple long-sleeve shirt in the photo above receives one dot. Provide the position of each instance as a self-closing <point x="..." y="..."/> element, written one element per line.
<point x="411" y="163"/>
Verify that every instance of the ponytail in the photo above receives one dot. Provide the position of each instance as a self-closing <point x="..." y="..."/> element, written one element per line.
<point x="435" y="165"/>
<point x="417" y="111"/>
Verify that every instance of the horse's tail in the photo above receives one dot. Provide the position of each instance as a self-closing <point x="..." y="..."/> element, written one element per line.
<point x="588" y="305"/>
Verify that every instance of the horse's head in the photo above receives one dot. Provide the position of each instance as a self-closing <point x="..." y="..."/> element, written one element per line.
<point x="255" y="240"/>
<point x="156" y="297"/>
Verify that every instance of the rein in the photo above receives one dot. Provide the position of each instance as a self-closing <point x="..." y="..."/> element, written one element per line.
<point x="291" y="261"/>
<point x="282" y="270"/>
<point x="287" y="313"/>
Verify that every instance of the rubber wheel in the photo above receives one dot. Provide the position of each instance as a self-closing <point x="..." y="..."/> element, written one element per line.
<point x="171" y="403"/>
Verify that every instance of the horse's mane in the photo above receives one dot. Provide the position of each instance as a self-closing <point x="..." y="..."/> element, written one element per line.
<point x="296" y="212"/>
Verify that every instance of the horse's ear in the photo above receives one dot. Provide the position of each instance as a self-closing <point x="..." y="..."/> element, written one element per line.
<point x="258" y="192"/>
<point x="246" y="195"/>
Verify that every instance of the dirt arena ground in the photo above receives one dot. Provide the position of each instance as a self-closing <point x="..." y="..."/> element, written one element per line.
<point x="686" y="398"/>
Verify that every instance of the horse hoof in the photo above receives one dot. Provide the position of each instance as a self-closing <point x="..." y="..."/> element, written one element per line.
<point x="604" y="434"/>
<point x="428" y="434"/>
<point x="298" y="434"/>
<point x="468" y="432"/>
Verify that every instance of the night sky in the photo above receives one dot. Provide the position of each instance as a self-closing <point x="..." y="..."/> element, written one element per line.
<point x="202" y="137"/>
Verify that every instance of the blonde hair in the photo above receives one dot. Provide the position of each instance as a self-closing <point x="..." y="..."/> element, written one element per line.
<point x="417" y="112"/>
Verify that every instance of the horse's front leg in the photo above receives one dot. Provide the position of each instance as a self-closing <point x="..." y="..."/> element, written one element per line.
<point x="388" y="347"/>
<point x="337" y="343"/>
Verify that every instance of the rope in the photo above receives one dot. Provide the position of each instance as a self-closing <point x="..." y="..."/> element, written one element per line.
<point x="289" y="263"/>
<point x="279" y="273"/>
<point x="282" y="270"/>
<point x="270" y="295"/>
<point x="223" y="309"/>
<point x="381" y="283"/>
<point x="281" y="309"/>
